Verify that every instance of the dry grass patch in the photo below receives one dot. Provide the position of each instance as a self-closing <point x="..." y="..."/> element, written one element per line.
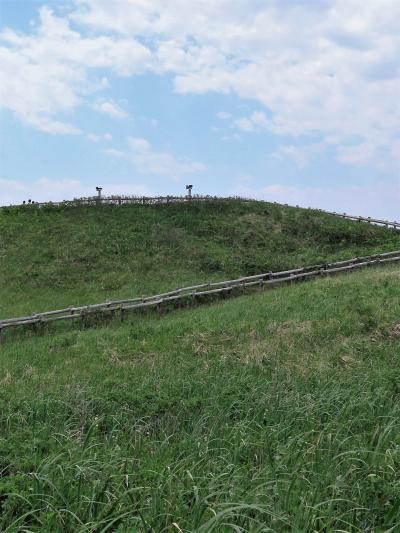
<point x="7" y="379"/>
<point x="395" y="331"/>
<point x="203" y="343"/>
<point x="131" y="359"/>
<point x="290" y="327"/>
<point x="286" y="346"/>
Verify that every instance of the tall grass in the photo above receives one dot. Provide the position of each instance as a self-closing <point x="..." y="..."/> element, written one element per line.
<point x="278" y="411"/>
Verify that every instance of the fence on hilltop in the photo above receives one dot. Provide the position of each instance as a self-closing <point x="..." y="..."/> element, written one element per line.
<point x="156" y="200"/>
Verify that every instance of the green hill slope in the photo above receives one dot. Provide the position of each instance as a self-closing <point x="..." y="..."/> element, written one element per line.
<point x="274" y="411"/>
<point x="57" y="257"/>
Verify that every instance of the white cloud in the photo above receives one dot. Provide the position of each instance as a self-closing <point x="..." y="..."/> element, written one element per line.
<point x="46" y="189"/>
<point x="300" y="155"/>
<point x="244" y="124"/>
<point x="54" y="127"/>
<point x="110" y="108"/>
<point x="385" y="155"/>
<point x="36" y="93"/>
<point x="326" y="67"/>
<point x="149" y="161"/>
<point x="293" y="153"/>
<point x="376" y="200"/>
<point x="14" y="191"/>
<point x="257" y="121"/>
<point x="224" y="115"/>
<point x="94" y="137"/>
<point x="47" y="74"/>
<point x="330" y="67"/>
<point x="105" y="84"/>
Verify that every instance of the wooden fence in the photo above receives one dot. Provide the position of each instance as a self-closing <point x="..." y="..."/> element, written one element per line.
<point x="196" y="292"/>
<point x="386" y="223"/>
<point x="154" y="200"/>
<point x="124" y="200"/>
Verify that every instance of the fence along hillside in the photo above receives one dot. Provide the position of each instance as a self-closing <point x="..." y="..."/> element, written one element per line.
<point x="195" y="293"/>
<point x="155" y="200"/>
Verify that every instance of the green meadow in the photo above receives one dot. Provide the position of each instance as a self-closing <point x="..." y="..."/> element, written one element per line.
<point x="274" y="411"/>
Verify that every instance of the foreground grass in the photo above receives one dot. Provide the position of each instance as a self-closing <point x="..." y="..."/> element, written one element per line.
<point x="56" y="257"/>
<point x="275" y="411"/>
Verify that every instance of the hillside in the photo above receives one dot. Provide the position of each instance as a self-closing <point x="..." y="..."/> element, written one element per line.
<point x="60" y="256"/>
<point x="274" y="411"/>
<point x="278" y="410"/>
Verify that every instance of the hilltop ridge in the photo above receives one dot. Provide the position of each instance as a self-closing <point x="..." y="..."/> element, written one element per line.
<point x="60" y="256"/>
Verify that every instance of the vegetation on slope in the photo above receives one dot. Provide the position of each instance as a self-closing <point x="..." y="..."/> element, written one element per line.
<point x="277" y="410"/>
<point x="56" y="257"/>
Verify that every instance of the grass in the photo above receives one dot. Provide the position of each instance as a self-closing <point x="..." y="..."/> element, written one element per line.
<point x="276" y="411"/>
<point x="58" y="257"/>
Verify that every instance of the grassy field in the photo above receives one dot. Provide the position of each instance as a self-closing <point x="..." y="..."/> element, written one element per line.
<point x="277" y="411"/>
<point x="57" y="257"/>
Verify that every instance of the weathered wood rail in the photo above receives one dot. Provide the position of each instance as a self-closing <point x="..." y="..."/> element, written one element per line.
<point x="154" y="200"/>
<point x="386" y="223"/>
<point x="194" y="293"/>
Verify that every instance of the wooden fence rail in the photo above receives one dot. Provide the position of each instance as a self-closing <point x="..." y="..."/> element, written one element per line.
<point x="388" y="224"/>
<point x="154" y="200"/>
<point x="194" y="292"/>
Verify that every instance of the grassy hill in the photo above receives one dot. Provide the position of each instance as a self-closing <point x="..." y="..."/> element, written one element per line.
<point x="275" y="411"/>
<point x="56" y="257"/>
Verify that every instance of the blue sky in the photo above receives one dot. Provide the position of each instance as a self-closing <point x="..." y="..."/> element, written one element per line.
<point x="291" y="101"/>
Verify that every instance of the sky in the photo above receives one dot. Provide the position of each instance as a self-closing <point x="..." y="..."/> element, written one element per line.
<point x="294" y="101"/>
